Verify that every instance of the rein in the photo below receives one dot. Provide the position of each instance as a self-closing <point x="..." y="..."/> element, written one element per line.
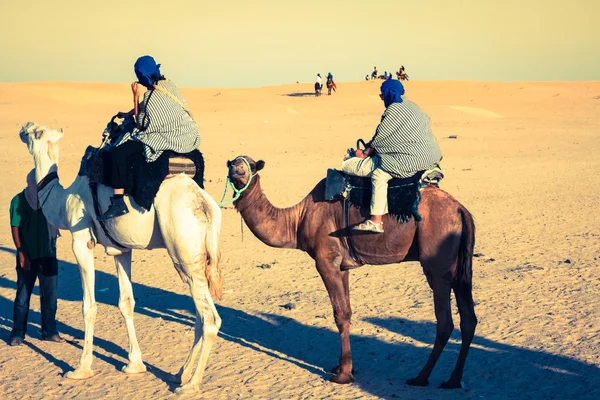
<point x="237" y="192"/>
<point x="46" y="180"/>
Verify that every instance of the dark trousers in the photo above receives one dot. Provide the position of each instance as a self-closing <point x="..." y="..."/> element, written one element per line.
<point x="47" y="270"/>
<point x="116" y="163"/>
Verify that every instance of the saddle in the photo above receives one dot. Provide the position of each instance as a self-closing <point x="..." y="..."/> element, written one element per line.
<point x="403" y="193"/>
<point x="144" y="179"/>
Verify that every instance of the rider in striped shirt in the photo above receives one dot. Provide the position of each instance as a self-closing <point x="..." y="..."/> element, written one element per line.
<point x="403" y="145"/>
<point x="163" y="122"/>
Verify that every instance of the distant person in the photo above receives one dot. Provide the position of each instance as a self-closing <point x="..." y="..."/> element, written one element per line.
<point x="318" y="85"/>
<point x="385" y="75"/>
<point x="374" y="73"/>
<point x="403" y="145"/>
<point x="402" y="76"/>
<point x="366" y="77"/>
<point x="35" y="241"/>
<point x="330" y="84"/>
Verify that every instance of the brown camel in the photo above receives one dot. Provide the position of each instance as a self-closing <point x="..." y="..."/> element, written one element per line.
<point x="443" y="243"/>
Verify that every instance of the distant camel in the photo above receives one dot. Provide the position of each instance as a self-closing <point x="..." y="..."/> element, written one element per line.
<point x="443" y="243"/>
<point x="330" y="85"/>
<point x="184" y="219"/>
<point x="318" y="89"/>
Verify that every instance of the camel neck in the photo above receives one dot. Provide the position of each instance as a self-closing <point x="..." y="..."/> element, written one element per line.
<point x="276" y="227"/>
<point x="53" y="199"/>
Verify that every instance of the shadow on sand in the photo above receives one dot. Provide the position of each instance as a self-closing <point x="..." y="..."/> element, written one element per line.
<point x="300" y="94"/>
<point x="493" y="370"/>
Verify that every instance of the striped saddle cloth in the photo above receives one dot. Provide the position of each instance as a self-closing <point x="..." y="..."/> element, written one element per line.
<point x="181" y="165"/>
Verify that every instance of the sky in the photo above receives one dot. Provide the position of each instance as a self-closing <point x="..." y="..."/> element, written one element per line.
<point x="251" y="43"/>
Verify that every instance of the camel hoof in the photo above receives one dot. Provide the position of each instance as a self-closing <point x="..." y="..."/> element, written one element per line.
<point x="187" y="388"/>
<point x="79" y="374"/>
<point x="451" y="384"/>
<point x="134" y="368"/>
<point x="336" y="370"/>
<point x="417" y="382"/>
<point x="342" y="379"/>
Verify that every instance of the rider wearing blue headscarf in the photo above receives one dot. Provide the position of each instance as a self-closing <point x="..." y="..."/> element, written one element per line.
<point x="403" y="145"/>
<point x="162" y="122"/>
<point x="147" y="71"/>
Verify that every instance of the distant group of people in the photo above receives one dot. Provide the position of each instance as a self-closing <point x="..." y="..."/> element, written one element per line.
<point x="400" y="74"/>
<point x="330" y="84"/>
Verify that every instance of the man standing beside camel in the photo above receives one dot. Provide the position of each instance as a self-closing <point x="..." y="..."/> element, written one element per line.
<point x="35" y="241"/>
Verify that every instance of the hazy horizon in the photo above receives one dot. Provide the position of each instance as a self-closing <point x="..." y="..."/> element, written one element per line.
<point x="266" y="42"/>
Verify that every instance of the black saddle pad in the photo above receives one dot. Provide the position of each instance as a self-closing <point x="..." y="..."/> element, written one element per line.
<point x="144" y="179"/>
<point x="403" y="193"/>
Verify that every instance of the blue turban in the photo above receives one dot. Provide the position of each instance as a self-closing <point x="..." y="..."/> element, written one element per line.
<point x="392" y="92"/>
<point x="147" y="70"/>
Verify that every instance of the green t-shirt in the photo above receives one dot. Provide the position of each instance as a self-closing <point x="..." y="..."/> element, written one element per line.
<point x="33" y="227"/>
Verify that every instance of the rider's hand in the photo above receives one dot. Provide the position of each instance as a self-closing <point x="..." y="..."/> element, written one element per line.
<point x="360" y="154"/>
<point x="135" y="89"/>
<point x="23" y="260"/>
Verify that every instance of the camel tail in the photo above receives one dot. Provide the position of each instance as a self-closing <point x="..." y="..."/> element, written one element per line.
<point x="214" y="275"/>
<point x="464" y="273"/>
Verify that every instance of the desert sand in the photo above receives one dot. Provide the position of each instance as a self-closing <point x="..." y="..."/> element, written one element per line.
<point x="524" y="162"/>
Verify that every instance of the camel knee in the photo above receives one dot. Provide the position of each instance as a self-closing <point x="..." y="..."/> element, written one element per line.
<point x="445" y="328"/>
<point x="342" y="317"/>
<point x="468" y="323"/>
<point x="126" y="305"/>
<point x="89" y="310"/>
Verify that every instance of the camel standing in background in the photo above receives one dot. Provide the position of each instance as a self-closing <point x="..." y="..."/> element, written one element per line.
<point x="443" y="243"/>
<point x="184" y="219"/>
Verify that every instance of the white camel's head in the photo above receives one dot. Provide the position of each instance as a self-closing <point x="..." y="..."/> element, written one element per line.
<point x="41" y="140"/>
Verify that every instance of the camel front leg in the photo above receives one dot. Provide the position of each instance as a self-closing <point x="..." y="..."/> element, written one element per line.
<point x="338" y="287"/>
<point x="126" y="305"/>
<point x="207" y="319"/>
<point x="85" y="260"/>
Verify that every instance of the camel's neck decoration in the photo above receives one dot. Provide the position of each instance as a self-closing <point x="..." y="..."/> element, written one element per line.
<point x="189" y="222"/>
<point x="443" y="243"/>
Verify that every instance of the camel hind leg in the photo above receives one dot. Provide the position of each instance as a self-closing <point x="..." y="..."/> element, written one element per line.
<point x="443" y="312"/>
<point x="190" y="223"/>
<point x="208" y="323"/>
<point x="463" y="291"/>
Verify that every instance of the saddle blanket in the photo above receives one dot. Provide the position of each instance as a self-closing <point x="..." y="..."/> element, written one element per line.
<point x="403" y="194"/>
<point x="144" y="179"/>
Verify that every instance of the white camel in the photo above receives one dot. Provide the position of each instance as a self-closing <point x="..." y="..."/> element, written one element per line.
<point x="185" y="220"/>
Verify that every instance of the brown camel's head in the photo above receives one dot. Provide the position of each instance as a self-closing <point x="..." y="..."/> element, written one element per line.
<point x="238" y="170"/>
<point x="41" y="140"/>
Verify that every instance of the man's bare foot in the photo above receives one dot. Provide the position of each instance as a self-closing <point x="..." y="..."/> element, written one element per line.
<point x="55" y="338"/>
<point x="16" y="341"/>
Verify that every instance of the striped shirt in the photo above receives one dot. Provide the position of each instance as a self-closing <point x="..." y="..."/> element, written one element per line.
<point x="404" y="140"/>
<point x="164" y="123"/>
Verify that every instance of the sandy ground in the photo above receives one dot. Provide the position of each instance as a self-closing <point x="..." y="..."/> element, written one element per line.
<point x="525" y="162"/>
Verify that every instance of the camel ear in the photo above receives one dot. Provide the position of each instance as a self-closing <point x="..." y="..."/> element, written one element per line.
<point x="26" y="129"/>
<point x="260" y="164"/>
<point x="53" y="135"/>
<point x="41" y="132"/>
<point x="228" y="163"/>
